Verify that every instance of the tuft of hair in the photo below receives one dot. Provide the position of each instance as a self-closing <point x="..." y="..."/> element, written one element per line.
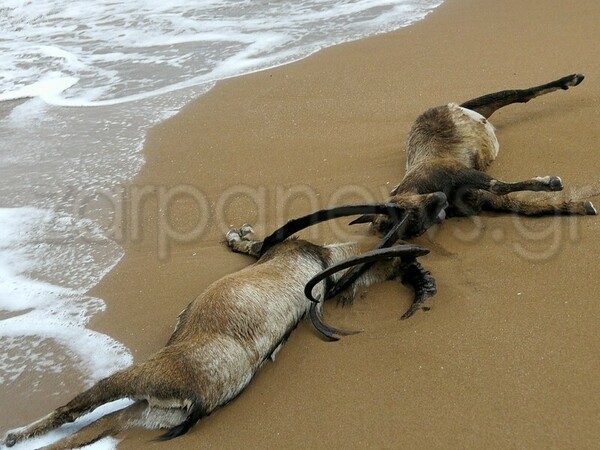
<point x="197" y="412"/>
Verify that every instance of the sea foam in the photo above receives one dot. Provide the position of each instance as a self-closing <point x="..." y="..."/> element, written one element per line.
<point x="34" y="243"/>
<point x="126" y="51"/>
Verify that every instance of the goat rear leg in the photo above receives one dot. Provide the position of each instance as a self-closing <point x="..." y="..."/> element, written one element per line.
<point x="108" y="425"/>
<point x="467" y="179"/>
<point x="547" y="183"/>
<point x="488" y="104"/>
<point x="534" y="205"/>
<point x="240" y="241"/>
<point x="106" y="390"/>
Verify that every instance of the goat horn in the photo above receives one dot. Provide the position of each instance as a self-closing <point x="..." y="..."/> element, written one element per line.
<point x="328" y="331"/>
<point x="295" y="225"/>
<point x="352" y="274"/>
<point x="366" y="218"/>
<point x="374" y="255"/>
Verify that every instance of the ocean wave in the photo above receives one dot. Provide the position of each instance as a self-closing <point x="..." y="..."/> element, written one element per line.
<point x="72" y="55"/>
<point x="36" y="244"/>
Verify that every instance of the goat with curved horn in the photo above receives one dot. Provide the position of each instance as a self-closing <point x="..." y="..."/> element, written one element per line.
<point x="434" y="207"/>
<point x="221" y="339"/>
<point x="343" y="256"/>
<point x="449" y="149"/>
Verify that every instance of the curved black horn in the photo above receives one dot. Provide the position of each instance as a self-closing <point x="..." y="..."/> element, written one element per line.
<point x="295" y="225"/>
<point x="372" y="256"/>
<point x="327" y="331"/>
<point x="352" y="275"/>
<point x="439" y="202"/>
<point x="366" y="218"/>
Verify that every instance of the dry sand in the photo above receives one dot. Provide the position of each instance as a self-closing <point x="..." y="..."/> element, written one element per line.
<point x="509" y="356"/>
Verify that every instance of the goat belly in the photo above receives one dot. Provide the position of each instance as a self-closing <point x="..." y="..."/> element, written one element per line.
<point x="242" y="320"/>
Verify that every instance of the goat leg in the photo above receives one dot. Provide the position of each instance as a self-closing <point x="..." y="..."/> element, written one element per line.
<point x="239" y="241"/>
<point x="467" y="178"/>
<point x="538" y="204"/>
<point x="415" y="275"/>
<point x="488" y="104"/>
<point x="548" y="183"/>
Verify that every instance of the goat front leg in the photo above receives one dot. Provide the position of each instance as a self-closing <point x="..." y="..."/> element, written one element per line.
<point x="415" y="275"/>
<point x="409" y="272"/>
<point x="240" y="241"/>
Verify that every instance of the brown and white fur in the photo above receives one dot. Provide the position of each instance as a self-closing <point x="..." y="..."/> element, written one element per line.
<point x="448" y="150"/>
<point x="219" y="342"/>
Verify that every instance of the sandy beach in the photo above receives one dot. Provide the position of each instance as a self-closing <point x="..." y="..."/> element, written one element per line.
<point x="509" y="355"/>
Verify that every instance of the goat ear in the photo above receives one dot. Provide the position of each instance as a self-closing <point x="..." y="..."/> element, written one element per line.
<point x="367" y="218"/>
<point x="436" y="203"/>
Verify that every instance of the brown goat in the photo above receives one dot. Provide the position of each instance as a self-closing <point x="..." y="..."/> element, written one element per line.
<point x="449" y="148"/>
<point x="223" y="337"/>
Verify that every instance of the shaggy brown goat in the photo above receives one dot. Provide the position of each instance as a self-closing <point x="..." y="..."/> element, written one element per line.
<point x="224" y="336"/>
<point x="448" y="149"/>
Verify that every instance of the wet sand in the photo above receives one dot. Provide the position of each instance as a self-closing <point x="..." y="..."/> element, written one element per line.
<point x="509" y="355"/>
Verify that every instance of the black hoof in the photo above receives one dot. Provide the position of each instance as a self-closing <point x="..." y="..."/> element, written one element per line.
<point x="232" y="236"/>
<point x="555" y="184"/>
<point x="10" y="440"/>
<point x="572" y="80"/>
<point x="413" y="309"/>
<point x="589" y="209"/>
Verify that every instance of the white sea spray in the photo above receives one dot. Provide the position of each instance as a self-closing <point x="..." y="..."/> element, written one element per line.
<point x="33" y="245"/>
<point x="72" y="54"/>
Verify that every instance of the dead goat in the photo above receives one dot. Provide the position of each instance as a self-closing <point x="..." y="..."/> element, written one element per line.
<point x="449" y="148"/>
<point x="224" y="336"/>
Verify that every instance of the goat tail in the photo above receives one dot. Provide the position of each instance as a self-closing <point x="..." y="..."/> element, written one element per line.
<point x="196" y="413"/>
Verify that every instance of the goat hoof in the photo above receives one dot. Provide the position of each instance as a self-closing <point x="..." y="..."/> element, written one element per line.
<point x="410" y="312"/>
<point x="232" y="236"/>
<point x="246" y="230"/>
<point x="11" y="439"/>
<point x="572" y="80"/>
<point x="589" y="209"/>
<point x="555" y="184"/>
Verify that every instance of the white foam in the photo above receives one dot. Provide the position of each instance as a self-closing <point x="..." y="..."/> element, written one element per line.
<point x="127" y="51"/>
<point x="41" y="311"/>
<point x="47" y="88"/>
